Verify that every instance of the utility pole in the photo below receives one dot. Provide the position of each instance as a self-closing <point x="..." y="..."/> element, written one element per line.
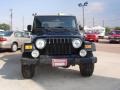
<point x="23" y="23"/>
<point x="83" y="6"/>
<point x="103" y="23"/>
<point x="83" y="17"/>
<point x="93" y="22"/>
<point x="11" y="19"/>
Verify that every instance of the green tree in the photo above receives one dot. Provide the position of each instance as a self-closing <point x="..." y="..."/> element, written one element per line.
<point x="4" y="26"/>
<point x="117" y="28"/>
<point x="107" y="30"/>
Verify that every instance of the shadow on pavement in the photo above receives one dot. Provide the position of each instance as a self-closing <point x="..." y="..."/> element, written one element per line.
<point x="6" y="50"/>
<point x="11" y="66"/>
<point x="56" y="78"/>
<point x="67" y="79"/>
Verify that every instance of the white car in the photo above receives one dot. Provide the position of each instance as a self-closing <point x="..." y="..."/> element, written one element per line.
<point x="13" y="40"/>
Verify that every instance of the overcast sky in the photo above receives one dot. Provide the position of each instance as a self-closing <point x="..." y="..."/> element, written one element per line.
<point x="107" y="10"/>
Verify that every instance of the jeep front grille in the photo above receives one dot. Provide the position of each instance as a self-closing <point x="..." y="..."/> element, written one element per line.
<point x="59" y="46"/>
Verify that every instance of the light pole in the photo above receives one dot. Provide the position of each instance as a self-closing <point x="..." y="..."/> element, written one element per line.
<point x="93" y="22"/>
<point x="83" y="5"/>
<point x="23" y="23"/>
<point x="103" y="23"/>
<point x="11" y="17"/>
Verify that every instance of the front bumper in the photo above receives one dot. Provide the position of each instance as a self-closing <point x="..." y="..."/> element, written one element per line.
<point x="5" y="45"/>
<point x="70" y="60"/>
<point x="91" y="39"/>
<point x="115" y="39"/>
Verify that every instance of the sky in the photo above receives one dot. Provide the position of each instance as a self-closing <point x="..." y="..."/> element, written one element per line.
<point x="107" y="10"/>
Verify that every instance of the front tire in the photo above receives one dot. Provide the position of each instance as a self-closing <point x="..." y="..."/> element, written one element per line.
<point x="14" y="47"/>
<point x="28" y="71"/>
<point x="110" y="41"/>
<point x="97" y="41"/>
<point x="86" y="69"/>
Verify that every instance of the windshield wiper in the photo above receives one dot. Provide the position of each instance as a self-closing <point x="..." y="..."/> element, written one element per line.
<point x="67" y="28"/>
<point x="59" y="27"/>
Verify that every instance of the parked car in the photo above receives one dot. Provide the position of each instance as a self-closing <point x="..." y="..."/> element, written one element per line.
<point x="12" y="40"/>
<point x="91" y="37"/>
<point x="114" y="36"/>
<point x="1" y="30"/>
<point x="28" y="34"/>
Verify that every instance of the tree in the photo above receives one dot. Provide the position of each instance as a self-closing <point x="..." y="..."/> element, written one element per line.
<point x="107" y="30"/>
<point x="4" y="26"/>
<point x="117" y="28"/>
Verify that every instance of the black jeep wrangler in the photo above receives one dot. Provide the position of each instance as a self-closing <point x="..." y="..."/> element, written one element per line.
<point x="56" y="40"/>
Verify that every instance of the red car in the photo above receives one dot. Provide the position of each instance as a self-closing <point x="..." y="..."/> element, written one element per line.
<point x="91" y="37"/>
<point x="114" y="36"/>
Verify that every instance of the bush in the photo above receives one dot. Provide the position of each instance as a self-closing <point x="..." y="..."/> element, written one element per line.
<point x="4" y="26"/>
<point x="117" y="28"/>
<point x="107" y="30"/>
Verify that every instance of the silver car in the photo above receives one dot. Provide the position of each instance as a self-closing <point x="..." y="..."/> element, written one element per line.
<point x="13" y="39"/>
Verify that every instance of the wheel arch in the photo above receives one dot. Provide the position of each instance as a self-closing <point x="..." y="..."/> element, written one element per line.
<point x="15" y="42"/>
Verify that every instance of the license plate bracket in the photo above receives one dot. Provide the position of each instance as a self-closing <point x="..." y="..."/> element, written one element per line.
<point x="59" y="62"/>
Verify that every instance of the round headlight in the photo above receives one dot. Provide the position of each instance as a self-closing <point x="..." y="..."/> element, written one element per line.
<point x="83" y="53"/>
<point x="35" y="53"/>
<point x="77" y="43"/>
<point x="40" y="43"/>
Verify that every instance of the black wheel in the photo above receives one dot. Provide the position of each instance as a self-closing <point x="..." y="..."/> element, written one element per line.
<point x="28" y="71"/>
<point x="66" y="66"/>
<point x="14" y="47"/>
<point x="97" y="41"/>
<point x="86" y="69"/>
<point x="110" y="41"/>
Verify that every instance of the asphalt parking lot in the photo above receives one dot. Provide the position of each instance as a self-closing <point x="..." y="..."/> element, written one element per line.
<point x="106" y="75"/>
<point x="104" y="45"/>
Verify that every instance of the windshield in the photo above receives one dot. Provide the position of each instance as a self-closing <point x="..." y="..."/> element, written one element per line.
<point x="54" y="22"/>
<point x="91" y="32"/>
<point x="5" y="33"/>
<point x="115" y="32"/>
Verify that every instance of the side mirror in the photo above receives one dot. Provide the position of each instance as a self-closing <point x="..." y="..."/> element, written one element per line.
<point x="29" y="28"/>
<point x="80" y="27"/>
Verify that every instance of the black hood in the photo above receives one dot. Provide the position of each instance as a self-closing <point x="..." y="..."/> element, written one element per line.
<point x="62" y="33"/>
<point x="56" y="34"/>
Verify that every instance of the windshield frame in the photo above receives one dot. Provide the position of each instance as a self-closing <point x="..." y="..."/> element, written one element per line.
<point x="115" y="32"/>
<point x="56" y="17"/>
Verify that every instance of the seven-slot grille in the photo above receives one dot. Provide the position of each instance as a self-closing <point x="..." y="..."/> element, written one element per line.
<point x="59" y="46"/>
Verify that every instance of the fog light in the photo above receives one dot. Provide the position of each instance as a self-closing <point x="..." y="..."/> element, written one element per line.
<point x="83" y="53"/>
<point x="35" y="53"/>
